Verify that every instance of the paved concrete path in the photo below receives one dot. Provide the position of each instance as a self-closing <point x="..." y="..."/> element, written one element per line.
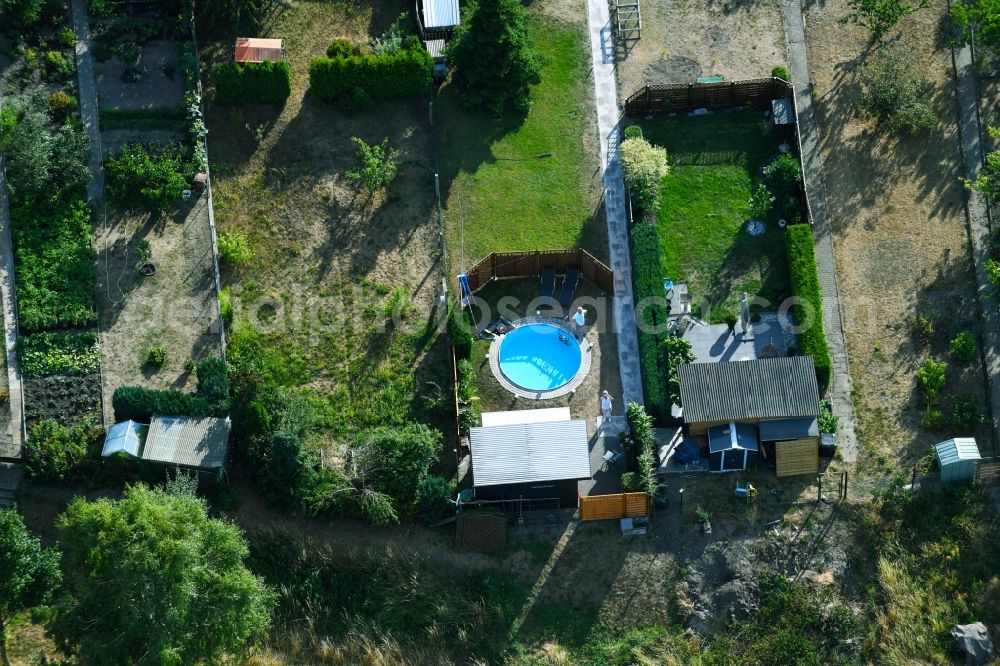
<point x="88" y="101"/>
<point x="841" y="387"/>
<point x="979" y="226"/>
<point x="602" y="50"/>
<point x="13" y="440"/>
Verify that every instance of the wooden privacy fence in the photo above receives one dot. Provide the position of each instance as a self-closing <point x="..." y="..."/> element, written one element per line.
<point x="681" y="97"/>
<point x="613" y="507"/>
<point x="529" y="264"/>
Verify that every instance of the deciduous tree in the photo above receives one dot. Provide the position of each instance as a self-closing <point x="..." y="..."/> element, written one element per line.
<point x="879" y="16"/>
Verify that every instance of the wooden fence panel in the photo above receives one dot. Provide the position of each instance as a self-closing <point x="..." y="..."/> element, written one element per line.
<point x="798" y="456"/>
<point x="683" y="97"/>
<point x="613" y="507"/>
<point x="531" y="264"/>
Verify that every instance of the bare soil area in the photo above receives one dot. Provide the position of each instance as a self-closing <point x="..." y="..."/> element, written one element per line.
<point x="161" y="84"/>
<point x="176" y="308"/>
<point x="900" y="234"/>
<point x="686" y="39"/>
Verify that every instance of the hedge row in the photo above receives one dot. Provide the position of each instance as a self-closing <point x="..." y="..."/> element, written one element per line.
<point x="266" y="82"/>
<point x="648" y="284"/>
<point x="140" y="404"/>
<point x="805" y="287"/>
<point x="405" y="73"/>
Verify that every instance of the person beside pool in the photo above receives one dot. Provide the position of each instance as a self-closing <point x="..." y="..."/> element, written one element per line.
<point x="579" y="320"/>
<point x="606" y="402"/>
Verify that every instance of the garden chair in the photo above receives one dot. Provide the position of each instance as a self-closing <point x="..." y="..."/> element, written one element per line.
<point x="569" y="284"/>
<point x="548" y="286"/>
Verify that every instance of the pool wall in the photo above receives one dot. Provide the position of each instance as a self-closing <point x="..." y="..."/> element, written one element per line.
<point x="559" y="391"/>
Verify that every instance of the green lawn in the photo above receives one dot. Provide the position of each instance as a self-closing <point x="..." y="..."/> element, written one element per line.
<point x="501" y="198"/>
<point x="715" y="162"/>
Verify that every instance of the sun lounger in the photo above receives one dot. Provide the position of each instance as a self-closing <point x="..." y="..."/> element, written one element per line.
<point x="548" y="286"/>
<point x="569" y="285"/>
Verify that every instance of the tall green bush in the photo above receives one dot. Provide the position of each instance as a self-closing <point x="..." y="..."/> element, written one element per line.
<point x="54" y="452"/>
<point x="641" y="428"/>
<point x="805" y="288"/>
<point x="643" y="167"/>
<point x="405" y="73"/>
<point x="460" y="331"/>
<point x="152" y="177"/>
<point x="893" y="92"/>
<point x="264" y="82"/>
<point x="396" y="460"/>
<point x="494" y="57"/>
<point x="213" y="380"/>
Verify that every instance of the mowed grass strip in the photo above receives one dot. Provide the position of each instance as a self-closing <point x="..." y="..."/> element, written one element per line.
<point x="715" y="162"/>
<point x="500" y="197"/>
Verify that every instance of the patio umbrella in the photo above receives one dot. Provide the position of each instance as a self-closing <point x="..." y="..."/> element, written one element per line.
<point x="744" y="313"/>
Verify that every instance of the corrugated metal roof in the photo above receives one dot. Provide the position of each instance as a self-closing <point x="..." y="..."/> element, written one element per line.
<point x="125" y="437"/>
<point x="517" y="416"/>
<point x="958" y="449"/>
<point x="435" y="47"/>
<point x="192" y="442"/>
<point x="529" y="452"/>
<point x="758" y="389"/>
<point x="778" y="429"/>
<point x="721" y="438"/>
<point x="440" y="13"/>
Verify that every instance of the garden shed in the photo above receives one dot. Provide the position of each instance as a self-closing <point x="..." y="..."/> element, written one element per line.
<point x="731" y="447"/>
<point x="256" y="49"/>
<point x="437" y="19"/>
<point x="199" y="443"/>
<point x="958" y="459"/>
<point x="524" y="457"/>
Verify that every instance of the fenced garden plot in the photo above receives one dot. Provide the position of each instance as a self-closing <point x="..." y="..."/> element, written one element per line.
<point x="526" y="183"/>
<point x="716" y="163"/>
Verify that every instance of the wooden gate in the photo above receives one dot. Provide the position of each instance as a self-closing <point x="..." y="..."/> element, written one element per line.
<point x="613" y="507"/>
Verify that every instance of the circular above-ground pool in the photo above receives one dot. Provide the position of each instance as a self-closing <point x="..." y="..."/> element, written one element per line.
<point x="541" y="358"/>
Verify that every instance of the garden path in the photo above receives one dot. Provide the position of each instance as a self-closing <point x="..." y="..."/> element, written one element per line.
<point x="979" y="226"/>
<point x="10" y="441"/>
<point x="88" y="100"/>
<point x="841" y="386"/>
<point x="602" y="51"/>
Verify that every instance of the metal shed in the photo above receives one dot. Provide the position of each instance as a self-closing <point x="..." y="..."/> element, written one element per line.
<point x="531" y="460"/>
<point x="256" y="49"/>
<point x="730" y="447"/>
<point x="437" y="15"/>
<point x="958" y="459"/>
<point x="127" y="437"/>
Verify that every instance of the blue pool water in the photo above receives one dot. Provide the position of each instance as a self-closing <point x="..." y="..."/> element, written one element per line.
<point x="539" y="357"/>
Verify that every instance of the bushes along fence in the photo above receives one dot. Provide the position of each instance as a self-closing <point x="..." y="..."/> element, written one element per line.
<point x="652" y="314"/>
<point x="266" y="82"/>
<point x="140" y="404"/>
<point x="405" y="73"/>
<point x="805" y="288"/>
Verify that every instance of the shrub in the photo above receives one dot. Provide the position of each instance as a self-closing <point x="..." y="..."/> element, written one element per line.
<point x="42" y="166"/>
<point x="59" y="65"/>
<point x="892" y="92"/>
<point x="979" y="19"/>
<point x="932" y="419"/>
<point x="154" y="178"/>
<point x="963" y="347"/>
<point x="68" y="352"/>
<point x="156" y="356"/>
<point x="342" y="48"/>
<point x="633" y="132"/>
<point x="405" y="73"/>
<point x="379" y="164"/>
<point x="931" y="377"/>
<point x="761" y="202"/>
<point x="130" y="52"/>
<point x="965" y="414"/>
<point x="631" y="482"/>
<point x="435" y="497"/>
<point x="264" y="82"/>
<point x="879" y="16"/>
<point x="356" y="100"/>
<point x="234" y="248"/>
<point x="391" y="41"/>
<point x="61" y="102"/>
<point x="53" y="260"/>
<point x="827" y="421"/>
<point x="923" y="327"/>
<point x="101" y="8"/>
<point x="782" y="73"/>
<point x="140" y="404"/>
<point x="987" y="183"/>
<point x="652" y="314"/>
<point x="53" y="452"/>
<point x="677" y="351"/>
<point x="784" y="173"/>
<point x="494" y="58"/>
<point x="805" y="288"/>
<point x="395" y="460"/>
<point x="460" y="330"/>
<point x="643" y="167"/>
<point x="213" y="380"/>
<point x="641" y="428"/>
<point x="25" y="11"/>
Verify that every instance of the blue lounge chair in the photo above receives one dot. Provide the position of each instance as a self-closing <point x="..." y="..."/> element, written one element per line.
<point x="548" y="286"/>
<point x="569" y="285"/>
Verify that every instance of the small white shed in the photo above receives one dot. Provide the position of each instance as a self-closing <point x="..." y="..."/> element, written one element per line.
<point x="958" y="459"/>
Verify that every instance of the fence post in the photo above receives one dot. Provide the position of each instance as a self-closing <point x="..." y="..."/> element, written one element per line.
<point x="732" y="93"/>
<point x="647" y="99"/>
<point x="690" y="96"/>
<point x="819" y="488"/>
